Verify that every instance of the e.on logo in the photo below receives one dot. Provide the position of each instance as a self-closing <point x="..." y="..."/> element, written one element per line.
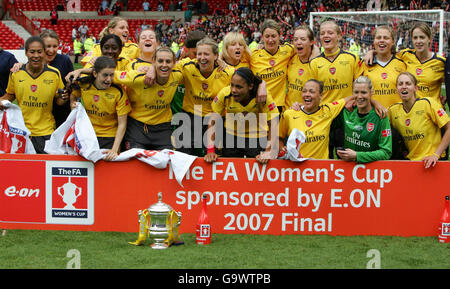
<point x="23" y="192"/>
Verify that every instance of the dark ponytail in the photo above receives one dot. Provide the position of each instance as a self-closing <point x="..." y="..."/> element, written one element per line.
<point x="249" y="78"/>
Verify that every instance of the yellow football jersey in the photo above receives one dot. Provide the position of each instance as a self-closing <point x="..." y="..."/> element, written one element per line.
<point x="150" y="104"/>
<point x="35" y="97"/>
<point x="121" y="64"/>
<point x="273" y="70"/>
<point x="248" y="121"/>
<point x="103" y="107"/>
<point x="315" y="126"/>
<point x="384" y="80"/>
<point x="200" y="90"/>
<point x="420" y="127"/>
<point x="298" y="74"/>
<point x="245" y="62"/>
<point x="136" y="63"/>
<point x="429" y="74"/>
<point x="337" y="75"/>
<point x="130" y="50"/>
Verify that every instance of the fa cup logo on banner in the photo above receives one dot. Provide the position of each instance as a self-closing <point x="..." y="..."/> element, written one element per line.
<point x="69" y="194"/>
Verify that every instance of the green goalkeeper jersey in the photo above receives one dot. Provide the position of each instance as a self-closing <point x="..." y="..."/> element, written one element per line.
<point x="368" y="135"/>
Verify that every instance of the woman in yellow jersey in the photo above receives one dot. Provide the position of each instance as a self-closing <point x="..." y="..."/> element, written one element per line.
<point x="61" y="62"/>
<point x="111" y="47"/>
<point x="298" y="67"/>
<point x="117" y="26"/>
<point x="149" y="123"/>
<point x="35" y="86"/>
<point x="419" y="121"/>
<point x="386" y="67"/>
<point x="106" y="105"/>
<point x="235" y="51"/>
<point x="271" y="62"/>
<point x="313" y="119"/>
<point x="203" y="81"/>
<point x="426" y="66"/>
<point x="336" y="68"/>
<point x="248" y="125"/>
<point x="148" y="43"/>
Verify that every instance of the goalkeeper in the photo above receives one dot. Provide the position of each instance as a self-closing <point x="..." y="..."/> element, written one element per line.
<point x="367" y="137"/>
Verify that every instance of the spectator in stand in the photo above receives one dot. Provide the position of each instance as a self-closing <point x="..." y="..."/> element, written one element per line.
<point x="77" y="48"/>
<point x="146" y="5"/>
<point x="67" y="49"/>
<point x="89" y="43"/>
<point x="171" y="6"/>
<point x="83" y="30"/>
<point x="54" y="16"/>
<point x="116" y="9"/>
<point x="124" y="5"/>
<point x="104" y="5"/>
<point x="160" y="7"/>
<point x="74" y="32"/>
<point x="204" y="7"/>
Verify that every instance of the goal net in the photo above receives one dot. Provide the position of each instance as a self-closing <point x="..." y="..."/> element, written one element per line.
<point x="358" y="26"/>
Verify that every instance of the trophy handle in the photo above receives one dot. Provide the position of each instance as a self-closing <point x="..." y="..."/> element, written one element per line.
<point x="59" y="192"/>
<point x="79" y="192"/>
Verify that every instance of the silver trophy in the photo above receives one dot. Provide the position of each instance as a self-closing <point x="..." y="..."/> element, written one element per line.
<point x="160" y="224"/>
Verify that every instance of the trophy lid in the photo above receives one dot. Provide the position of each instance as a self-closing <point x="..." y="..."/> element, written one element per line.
<point x="159" y="207"/>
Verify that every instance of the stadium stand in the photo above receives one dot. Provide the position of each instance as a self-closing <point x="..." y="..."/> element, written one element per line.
<point x="9" y="39"/>
<point x="49" y="5"/>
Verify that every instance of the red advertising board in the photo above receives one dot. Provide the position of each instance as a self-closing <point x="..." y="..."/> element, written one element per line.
<point x="333" y="197"/>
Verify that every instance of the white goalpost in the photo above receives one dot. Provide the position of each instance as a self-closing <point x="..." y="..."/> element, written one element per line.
<point x="358" y="25"/>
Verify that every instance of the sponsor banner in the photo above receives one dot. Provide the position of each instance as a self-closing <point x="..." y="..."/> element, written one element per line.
<point x="69" y="193"/>
<point x="47" y="192"/>
<point x="333" y="197"/>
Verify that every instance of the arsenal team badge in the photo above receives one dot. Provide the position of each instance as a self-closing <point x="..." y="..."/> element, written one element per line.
<point x="419" y="71"/>
<point x="204" y="86"/>
<point x="370" y="126"/>
<point x="384" y="75"/>
<point x="333" y="70"/>
<point x="308" y="123"/>
<point x="33" y="87"/>
<point x="160" y="93"/>
<point x="272" y="62"/>
<point x="407" y="122"/>
<point x="300" y="72"/>
<point x="96" y="98"/>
